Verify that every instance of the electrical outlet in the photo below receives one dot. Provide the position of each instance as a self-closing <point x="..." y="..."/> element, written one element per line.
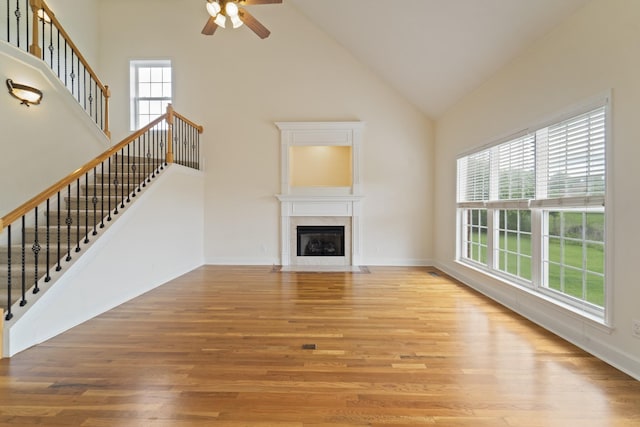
<point x="636" y="328"/>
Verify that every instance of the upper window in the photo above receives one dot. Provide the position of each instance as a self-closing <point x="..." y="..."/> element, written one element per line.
<point x="151" y="91"/>
<point x="531" y="210"/>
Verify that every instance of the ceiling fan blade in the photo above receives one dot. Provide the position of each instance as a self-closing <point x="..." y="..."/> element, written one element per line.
<point x="254" y="24"/>
<point x="254" y="2"/>
<point x="210" y="27"/>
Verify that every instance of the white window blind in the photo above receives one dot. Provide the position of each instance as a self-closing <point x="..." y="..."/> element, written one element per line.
<point x="516" y="168"/>
<point x="575" y="164"/>
<point x="473" y="177"/>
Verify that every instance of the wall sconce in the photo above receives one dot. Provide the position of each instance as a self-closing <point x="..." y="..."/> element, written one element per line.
<point x="26" y="94"/>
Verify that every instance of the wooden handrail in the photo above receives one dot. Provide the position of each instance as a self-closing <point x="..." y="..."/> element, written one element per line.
<point x="36" y="50"/>
<point x="189" y="122"/>
<point x="70" y="42"/>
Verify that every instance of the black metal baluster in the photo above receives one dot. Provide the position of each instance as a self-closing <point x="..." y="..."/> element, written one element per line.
<point x="59" y="253"/>
<point x="196" y="147"/>
<point x="27" y="33"/>
<point x="134" y="168"/>
<point x="86" y="208"/>
<point x="197" y="139"/>
<point x="129" y="165"/>
<point x="115" y="185"/>
<point x="58" y="51"/>
<point x="72" y="76"/>
<point x="101" y="195"/>
<point x="79" y="94"/>
<point x="36" y="252"/>
<point x="122" y="169"/>
<point x="48" y="276"/>
<point x="79" y="78"/>
<point x="66" y="61"/>
<point x="91" y="87"/>
<point x="78" y="220"/>
<point x="51" y="48"/>
<point x="94" y="201"/>
<point x="84" y="88"/>
<point x="152" y="150"/>
<point x="43" y="35"/>
<point x="176" y="142"/>
<point x="18" y="13"/>
<point x="190" y="146"/>
<point x="108" y="190"/>
<point x="147" y="156"/>
<point x="9" y="284"/>
<point x="177" y="148"/>
<point x="144" y="158"/>
<point x="102" y="102"/>
<point x="68" y="221"/>
<point x="8" y="23"/>
<point x="23" y="300"/>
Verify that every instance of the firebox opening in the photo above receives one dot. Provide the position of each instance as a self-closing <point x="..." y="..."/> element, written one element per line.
<point x="320" y="240"/>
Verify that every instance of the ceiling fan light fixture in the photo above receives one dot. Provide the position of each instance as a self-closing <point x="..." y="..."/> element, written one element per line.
<point x="231" y="9"/>
<point x="213" y="8"/>
<point x="236" y="21"/>
<point x="221" y="20"/>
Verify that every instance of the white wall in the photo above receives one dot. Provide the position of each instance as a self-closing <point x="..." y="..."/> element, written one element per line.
<point x="594" y="51"/>
<point x="43" y="143"/>
<point x="80" y="20"/>
<point x="238" y="85"/>
<point x="154" y="240"/>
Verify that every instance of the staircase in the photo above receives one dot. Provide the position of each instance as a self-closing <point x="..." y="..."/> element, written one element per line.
<point x="84" y="210"/>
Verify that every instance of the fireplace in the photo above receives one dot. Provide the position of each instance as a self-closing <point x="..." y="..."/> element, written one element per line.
<point x="320" y="240"/>
<point x="320" y="199"/>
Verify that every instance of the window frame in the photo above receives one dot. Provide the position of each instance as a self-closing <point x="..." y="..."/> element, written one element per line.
<point x="537" y="205"/>
<point x="135" y="98"/>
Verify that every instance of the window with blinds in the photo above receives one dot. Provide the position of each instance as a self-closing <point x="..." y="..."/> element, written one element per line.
<point x="564" y="160"/>
<point x="475" y="169"/>
<point x="575" y="157"/>
<point x="516" y="168"/>
<point x="541" y="198"/>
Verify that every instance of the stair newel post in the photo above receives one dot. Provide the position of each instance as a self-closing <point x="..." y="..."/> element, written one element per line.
<point x="34" y="48"/>
<point x="169" y="158"/>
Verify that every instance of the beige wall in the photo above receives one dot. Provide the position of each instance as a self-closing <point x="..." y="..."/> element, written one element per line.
<point x="237" y="86"/>
<point x="43" y="143"/>
<point x="594" y="51"/>
<point x="80" y="21"/>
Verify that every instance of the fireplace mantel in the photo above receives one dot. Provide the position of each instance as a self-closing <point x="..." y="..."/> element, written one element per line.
<point x="320" y="204"/>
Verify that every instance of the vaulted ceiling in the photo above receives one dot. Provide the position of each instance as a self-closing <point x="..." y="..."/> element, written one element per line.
<point x="436" y="51"/>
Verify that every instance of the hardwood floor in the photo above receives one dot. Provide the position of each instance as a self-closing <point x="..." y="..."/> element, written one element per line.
<point x="396" y="347"/>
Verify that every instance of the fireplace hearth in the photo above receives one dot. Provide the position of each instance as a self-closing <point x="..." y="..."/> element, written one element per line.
<point x="320" y="240"/>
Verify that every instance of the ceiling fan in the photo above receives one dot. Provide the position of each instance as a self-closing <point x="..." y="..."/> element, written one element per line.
<point x="220" y="10"/>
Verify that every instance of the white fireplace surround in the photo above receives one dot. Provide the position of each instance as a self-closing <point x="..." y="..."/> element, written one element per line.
<point x="320" y="205"/>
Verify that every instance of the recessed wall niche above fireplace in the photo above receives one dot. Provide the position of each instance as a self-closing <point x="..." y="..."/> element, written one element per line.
<point x="320" y="189"/>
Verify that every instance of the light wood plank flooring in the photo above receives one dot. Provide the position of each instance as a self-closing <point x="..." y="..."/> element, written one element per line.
<point x="223" y="346"/>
